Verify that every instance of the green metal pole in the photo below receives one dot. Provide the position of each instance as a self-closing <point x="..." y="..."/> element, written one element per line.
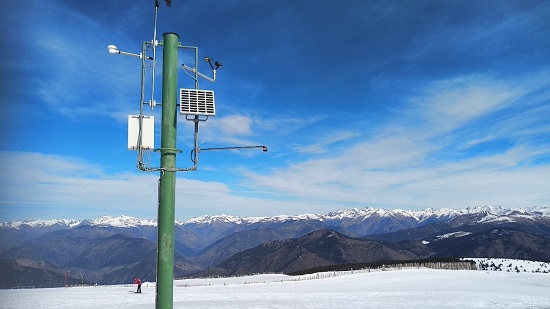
<point x="167" y="182"/>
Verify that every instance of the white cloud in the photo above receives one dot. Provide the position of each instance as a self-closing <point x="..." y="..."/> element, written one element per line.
<point x="234" y="125"/>
<point x="422" y="154"/>
<point x="76" y="75"/>
<point x="413" y="159"/>
<point x="34" y="184"/>
<point x="397" y="164"/>
<point x="322" y="142"/>
<point x="450" y="104"/>
<point x="232" y="130"/>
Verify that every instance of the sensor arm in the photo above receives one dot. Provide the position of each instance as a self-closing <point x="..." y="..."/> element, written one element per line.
<point x="264" y="148"/>
<point x="114" y="50"/>
<point x="212" y="79"/>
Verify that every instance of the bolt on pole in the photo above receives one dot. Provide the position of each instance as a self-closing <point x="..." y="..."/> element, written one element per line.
<point x="167" y="181"/>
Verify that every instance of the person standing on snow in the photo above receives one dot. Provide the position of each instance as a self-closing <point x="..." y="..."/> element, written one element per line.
<point x="138" y="282"/>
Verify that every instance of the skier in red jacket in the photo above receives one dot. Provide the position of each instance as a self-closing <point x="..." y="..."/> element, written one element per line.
<point x="138" y="282"/>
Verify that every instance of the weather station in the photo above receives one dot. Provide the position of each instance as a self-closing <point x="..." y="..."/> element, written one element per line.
<point x="196" y="105"/>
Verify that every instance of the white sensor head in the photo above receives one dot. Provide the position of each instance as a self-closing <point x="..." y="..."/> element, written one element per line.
<point x="113" y="49"/>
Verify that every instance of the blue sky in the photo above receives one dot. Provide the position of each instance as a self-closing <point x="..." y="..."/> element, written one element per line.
<point x="394" y="104"/>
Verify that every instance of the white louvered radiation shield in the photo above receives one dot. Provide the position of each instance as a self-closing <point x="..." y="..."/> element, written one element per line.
<point x="197" y="102"/>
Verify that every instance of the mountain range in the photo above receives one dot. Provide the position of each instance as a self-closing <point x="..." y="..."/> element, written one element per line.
<point x="110" y="250"/>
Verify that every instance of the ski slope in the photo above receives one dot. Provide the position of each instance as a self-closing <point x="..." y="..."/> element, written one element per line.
<point x="406" y="288"/>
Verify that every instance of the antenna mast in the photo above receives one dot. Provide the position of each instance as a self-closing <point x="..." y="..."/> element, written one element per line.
<point x="154" y="42"/>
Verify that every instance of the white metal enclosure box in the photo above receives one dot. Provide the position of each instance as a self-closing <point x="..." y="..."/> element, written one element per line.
<point x="147" y="132"/>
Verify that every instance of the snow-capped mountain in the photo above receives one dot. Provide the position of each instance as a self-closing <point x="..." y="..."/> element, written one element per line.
<point x="122" y="221"/>
<point x="488" y="212"/>
<point x="41" y="223"/>
<point x="428" y="215"/>
<point x="197" y="234"/>
<point x="208" y="241"/>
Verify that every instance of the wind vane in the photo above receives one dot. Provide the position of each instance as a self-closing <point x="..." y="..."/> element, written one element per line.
<point x="197" y="105"/>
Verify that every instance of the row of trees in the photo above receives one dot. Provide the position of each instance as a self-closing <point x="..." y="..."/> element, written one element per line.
<point x="435" y="263"/>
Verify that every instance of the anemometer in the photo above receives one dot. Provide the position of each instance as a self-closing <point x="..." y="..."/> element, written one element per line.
<point x="196" y="105"/>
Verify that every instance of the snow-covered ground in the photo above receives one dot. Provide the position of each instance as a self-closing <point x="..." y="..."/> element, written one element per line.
<point x="511" y="265"/>
<point x="405" y="288"/>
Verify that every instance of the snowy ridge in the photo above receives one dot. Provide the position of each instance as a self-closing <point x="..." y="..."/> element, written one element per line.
<point x="40" y="223"/>
<point x="454" y="234"/>
<point x="487" y="214"/>
<point x="123" y="221"/>
<point x="353" y="213"/>
<point x="210" y="219"/>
